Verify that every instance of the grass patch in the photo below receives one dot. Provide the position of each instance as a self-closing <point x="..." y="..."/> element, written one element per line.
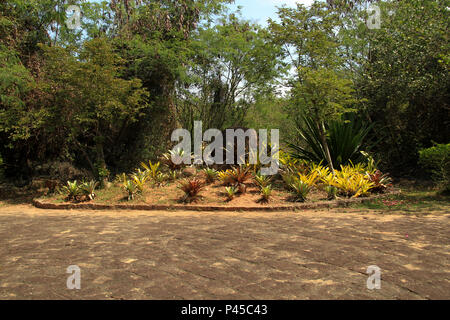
<point x="409" y="201"/>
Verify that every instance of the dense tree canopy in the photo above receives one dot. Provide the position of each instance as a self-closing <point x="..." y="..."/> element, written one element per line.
<point x="107" y="95"/>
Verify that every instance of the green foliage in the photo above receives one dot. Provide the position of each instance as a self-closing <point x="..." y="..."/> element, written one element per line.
<point x="130" y="188"/>
<point x="151" y="169"/>
<point x="301" y="189"/>
<point x="72" y="190"/>
<point x="266" y="192"/>
<point x="139" y="178"/>
<point x="234" y="63"/>
<point x="231" y="192"/>
<point x="210" y="174"/>
<point x="405" y="79"/>
<point x="437" y="160"/>
<point x="262" y="181"/>
<point x="88" y="189"/>
<point x="344" y="140"/>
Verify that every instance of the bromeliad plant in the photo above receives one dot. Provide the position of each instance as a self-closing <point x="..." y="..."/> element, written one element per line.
<point x="72" y="190"/>
<point x="210" y="175"/>
<point x="130" y="188"/>
<point x="239" y="176"/>
<point x="351" y="182"/>
<point x="380" y="181"/>
<point x="151" y="170"/>
<point x="231" y="192"/>
<point x="88" y="189"/>
<point x="266" y="192"/>
<point x="300" y="189"/>
<point x="225" y="177"/>
<point x="168" y="159"/>
<point x="262" y="181"/>
<point x="191" y="189"/>
<point x="139" y="178"/>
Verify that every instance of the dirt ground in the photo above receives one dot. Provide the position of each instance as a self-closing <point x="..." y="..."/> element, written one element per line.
<point x="207" y="255"/>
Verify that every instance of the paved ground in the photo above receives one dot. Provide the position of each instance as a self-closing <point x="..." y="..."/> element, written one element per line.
<point x="189" y="255"/>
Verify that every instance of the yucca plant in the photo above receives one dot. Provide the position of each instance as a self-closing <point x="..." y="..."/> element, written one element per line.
<point x="266" y="192"/>
<point x="130" y="188"/>
<point x="210" y="174"/>
<point x="88" y="189"/>
<point x="231" y="192"/>
<point x="191" y="189"/>
<point x="381" y="181"/>
<point x="262" y="181"/>
<point x="301" y="189"/>
<point x="151" y="169"/>
<point x="72" y="190"/>
<point x="344" y="139"/>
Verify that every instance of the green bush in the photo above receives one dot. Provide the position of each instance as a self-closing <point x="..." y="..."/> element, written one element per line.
<point x="437" y="160"/>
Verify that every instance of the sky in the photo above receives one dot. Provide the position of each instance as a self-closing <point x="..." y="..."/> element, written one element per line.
<point x="260" y="10"/>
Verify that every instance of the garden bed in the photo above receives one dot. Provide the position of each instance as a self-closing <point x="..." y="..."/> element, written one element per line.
<point x="213" y="198"/>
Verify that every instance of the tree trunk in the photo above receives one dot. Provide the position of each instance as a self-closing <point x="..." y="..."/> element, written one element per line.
<point x="323" y="137"/>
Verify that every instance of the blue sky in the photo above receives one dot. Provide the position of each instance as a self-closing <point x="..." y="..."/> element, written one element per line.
<point x="261" y="10"/>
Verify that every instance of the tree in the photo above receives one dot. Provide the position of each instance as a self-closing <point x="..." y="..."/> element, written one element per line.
<point x="405" y="79"/>
<point x="235" y="62"/>
<point x="93" y="102"/>
<point x="319" y="88"/>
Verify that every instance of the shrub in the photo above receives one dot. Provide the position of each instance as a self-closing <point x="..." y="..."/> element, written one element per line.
<point x="262" y="181"/>
<point x="344" y="139"/>
<point x="225" y="177"/>
<point x="331" y="192"/>
<point x="350" y="181"/>
<point x="301" y="189"/>
<point x="72" y="190"/>
<point x="239" y="176"/>
<point x="437" y="160"/>
<point x="139" y="178"/>
<point x="130" y="188"/>
<point x="381" y="181"/>
<point x="191" y="189"/>
<point x="231" y="192"/>
<point x="210" y="174"/>
<point x="88" y="189"/>
<point x="266" y="192"/>
<point x="167" y="159"/>
<point x="151" y="170"/>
